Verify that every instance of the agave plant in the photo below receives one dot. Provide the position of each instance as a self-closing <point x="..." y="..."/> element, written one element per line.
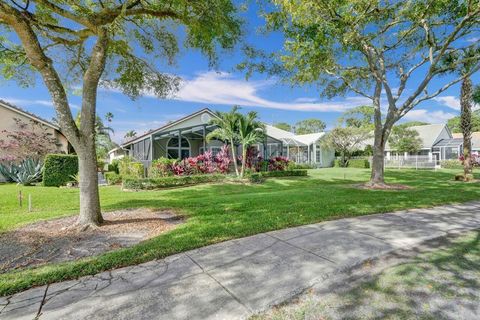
<point x="9" y="172"/>
<point x="26" y="172"/>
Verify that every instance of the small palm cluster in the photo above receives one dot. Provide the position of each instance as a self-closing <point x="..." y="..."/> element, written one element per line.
<point x="238" y="129"/>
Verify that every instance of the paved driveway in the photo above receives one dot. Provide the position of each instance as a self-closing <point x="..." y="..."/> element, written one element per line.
<point x="237" y="278"/>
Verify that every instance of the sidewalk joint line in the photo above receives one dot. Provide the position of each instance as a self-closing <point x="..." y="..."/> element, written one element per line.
<point x="221" y="285"/>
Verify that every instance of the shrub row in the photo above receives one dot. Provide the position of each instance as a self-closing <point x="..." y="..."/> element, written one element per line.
<point x="58" y="169"/>
<point x="354" y="163"/>
<point x="451" y="164"/>
<point x="168" y="182"/>
<point x="258" y="177"/>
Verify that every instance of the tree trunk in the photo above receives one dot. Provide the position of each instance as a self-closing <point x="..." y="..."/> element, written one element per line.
<point x="377" y="177"/>
<point x="466" y="124"/>
<point x="90" y="213"/>
<point x="378" y="162"/>
<point x="234" y="156"/>
<point x="244" y="160"/>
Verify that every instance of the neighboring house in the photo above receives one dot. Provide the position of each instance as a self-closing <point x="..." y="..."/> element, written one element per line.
<point x="8" y="114"/>
<point x="116" y="153"/>
<point x="475" y="140"/>
<point x="186" y="137"/>
<point x="438" y="144"/>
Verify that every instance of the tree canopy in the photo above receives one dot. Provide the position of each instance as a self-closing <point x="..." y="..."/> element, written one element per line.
<point x="120" y="44"/>
<point x="309" y="126"/>
<point x="284" y="126"/>
<point x="370" y="48"/>
<point x="361" y="116"/>
<point x="404" y="139"/>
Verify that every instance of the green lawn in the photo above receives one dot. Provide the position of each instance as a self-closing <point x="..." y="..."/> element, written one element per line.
<point x="220" y="212"/>
<point x="441" y="284"/>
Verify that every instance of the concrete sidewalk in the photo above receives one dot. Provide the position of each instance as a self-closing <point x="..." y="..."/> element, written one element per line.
<point x="237" y="278"/>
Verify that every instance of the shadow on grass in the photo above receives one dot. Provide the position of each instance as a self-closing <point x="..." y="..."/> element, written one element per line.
<point x="443" y="284"/>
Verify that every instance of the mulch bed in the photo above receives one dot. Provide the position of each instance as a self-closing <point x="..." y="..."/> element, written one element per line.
<point x="364" y="186"/>
<point x="60" y="240"/>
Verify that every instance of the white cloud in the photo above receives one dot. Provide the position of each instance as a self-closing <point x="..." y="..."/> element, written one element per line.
<point x="222" y="88"/>
<point x="35" y="102"/>
<point x="473" y="40"/>
<point x="428" y="116"/>
<point x="449" y="101"/>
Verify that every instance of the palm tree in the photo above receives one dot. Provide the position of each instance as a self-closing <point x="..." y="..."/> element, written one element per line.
<point x="227" y="130"/>
<point x="130" y="134"/>
<point x="250" y="131"/>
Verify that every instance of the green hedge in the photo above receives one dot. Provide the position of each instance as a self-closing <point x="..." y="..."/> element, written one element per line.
<point x="113" y="178"/>
<point x="168" y="182"/>
<point x="258" y="177"/>
<point x="286" y="173"/>
<point x="59" y="169"/>
<point x="451" y="164"/>
<point x="359" y="163"/>
<point x="354" y="163"/>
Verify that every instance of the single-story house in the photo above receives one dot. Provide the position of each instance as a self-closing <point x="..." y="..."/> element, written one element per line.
<point x="186" y="137"/>
<point x="10" y="114"/>
<point x="475" y="140"/>
<point x="438" y="144"/>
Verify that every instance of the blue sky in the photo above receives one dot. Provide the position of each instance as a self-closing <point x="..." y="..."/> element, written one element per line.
<point x="220" y="89"/>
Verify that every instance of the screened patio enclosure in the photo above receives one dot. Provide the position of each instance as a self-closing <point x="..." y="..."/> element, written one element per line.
<point x="187" y="137"/>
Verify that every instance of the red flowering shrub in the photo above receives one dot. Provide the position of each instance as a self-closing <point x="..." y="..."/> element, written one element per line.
<point x="223" y="160"/>
<point x="278" y="164"/>
<point x="475" y="159"/>
<point x="203" y="164"/>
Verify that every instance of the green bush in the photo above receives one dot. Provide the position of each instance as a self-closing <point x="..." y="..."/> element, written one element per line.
<point x="451" y="164"/>
<point x="129" y="167"/>
<point x="359" y="163"/>
<point x="168" y="182"/>
<point x="353" y="163"/>
<point x="299" y="166"/>
<point x="113" y="178"/>
<point x="113" y="166"/>
<point x="286" y="173"/>
<point x="58" y="169"/>
<point x="256" y="177"/>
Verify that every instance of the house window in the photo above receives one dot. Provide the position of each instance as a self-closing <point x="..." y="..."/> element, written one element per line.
<point x="173" y="148"/>
<point x="214" y="150"/>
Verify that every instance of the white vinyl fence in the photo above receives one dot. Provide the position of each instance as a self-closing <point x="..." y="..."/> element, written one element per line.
<point x="411" y="162"/>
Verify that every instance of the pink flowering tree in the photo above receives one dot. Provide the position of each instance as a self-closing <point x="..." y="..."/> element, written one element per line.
<point x="29" y="141"/>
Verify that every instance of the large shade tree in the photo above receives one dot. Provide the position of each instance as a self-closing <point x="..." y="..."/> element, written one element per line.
<point x="119" y="43"/>
<point x="375" y="49"/>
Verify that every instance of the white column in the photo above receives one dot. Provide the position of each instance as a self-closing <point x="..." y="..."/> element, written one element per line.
<point x="388" y="155"/>
<point x="308" y="154"/>
<point x="315" y="153"/>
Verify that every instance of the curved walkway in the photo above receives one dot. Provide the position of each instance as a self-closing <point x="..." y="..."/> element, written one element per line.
<point x="237" y="278"/>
